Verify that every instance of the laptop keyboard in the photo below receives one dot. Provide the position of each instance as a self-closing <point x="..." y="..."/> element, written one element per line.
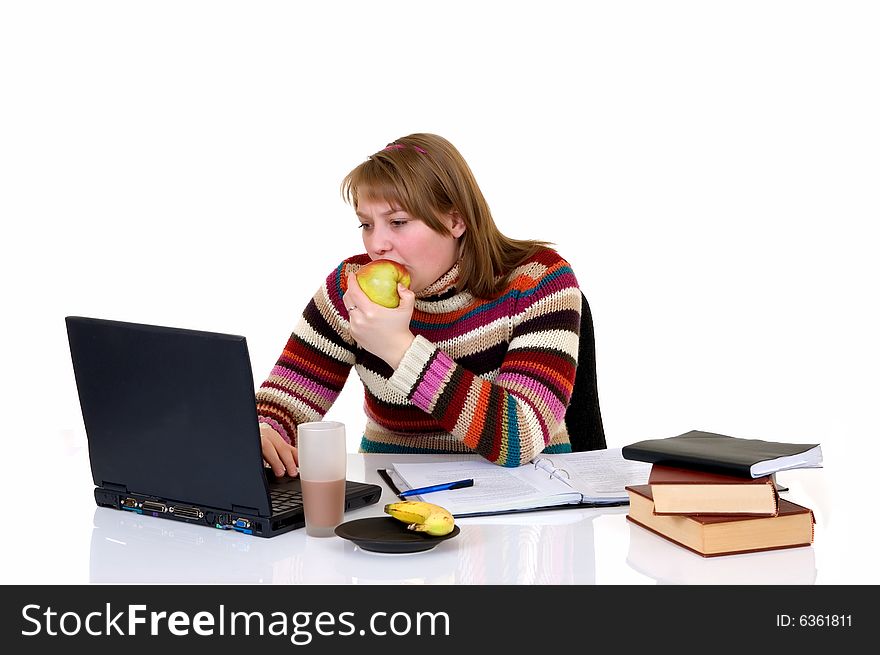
<point x="284" y="500"/>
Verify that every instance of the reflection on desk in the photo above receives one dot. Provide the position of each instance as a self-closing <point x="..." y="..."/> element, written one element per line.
<point x="668" y="563"/>
<point x="543" y="548"/>
<point x="127" y="547"/>
<point x="526" y="554"/>
<point x="556" y="547"/>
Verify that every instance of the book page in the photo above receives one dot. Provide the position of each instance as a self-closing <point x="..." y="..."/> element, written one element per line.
<point x="601" y="475"/>
<point x="496" y="488"/>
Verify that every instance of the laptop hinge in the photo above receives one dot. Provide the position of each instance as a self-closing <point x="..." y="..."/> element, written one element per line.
<point x="112" y="486"/>
<point x="244" y="509"/>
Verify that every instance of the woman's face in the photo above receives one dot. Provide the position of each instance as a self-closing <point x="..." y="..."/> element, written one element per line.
<point x="391" y="233"/>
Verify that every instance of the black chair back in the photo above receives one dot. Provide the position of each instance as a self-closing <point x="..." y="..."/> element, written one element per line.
<point x="583" y="418"/>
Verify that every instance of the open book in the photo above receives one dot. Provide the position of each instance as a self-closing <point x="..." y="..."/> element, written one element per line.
<point x="592" y="478"/>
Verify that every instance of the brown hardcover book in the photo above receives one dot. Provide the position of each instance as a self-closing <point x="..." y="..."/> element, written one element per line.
<point x="669" y="563"/>
<point x="692" y="491"/>
<point x="724" y="535"/>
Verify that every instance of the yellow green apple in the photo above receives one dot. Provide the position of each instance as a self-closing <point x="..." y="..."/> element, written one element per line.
<point x="379" y="279"/>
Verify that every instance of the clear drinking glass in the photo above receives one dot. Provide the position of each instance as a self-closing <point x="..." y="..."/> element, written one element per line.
<point x="322" y="458"/>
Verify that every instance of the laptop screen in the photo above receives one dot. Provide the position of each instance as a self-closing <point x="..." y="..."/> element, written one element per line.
<point x="169" y="412"/>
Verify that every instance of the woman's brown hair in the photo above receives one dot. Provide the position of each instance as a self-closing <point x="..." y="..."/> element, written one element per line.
<point x="427" y="177"/>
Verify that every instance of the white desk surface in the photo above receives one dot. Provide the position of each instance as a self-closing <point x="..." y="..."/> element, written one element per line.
<point x="86" y="544"/>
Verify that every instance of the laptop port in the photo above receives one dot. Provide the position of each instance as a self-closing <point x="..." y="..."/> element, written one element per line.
<point x="128" y="503"/>
<point x="242" y="524"/>
<point x="153" y="506"/>
<point x="186" y="512"/>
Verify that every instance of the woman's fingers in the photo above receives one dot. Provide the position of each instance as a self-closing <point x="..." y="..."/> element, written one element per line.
<point x="270" y="456"/>
<point x="277" y="453"/>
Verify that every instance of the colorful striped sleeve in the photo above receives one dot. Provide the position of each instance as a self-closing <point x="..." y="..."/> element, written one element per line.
<point x="312" y="369"/>
<point x="510" y="419"/>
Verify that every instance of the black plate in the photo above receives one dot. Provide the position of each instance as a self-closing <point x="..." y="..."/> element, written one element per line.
<point x="383" y="534"/>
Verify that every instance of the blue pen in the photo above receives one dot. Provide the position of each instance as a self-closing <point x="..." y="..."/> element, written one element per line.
<point x="458" y="484"/>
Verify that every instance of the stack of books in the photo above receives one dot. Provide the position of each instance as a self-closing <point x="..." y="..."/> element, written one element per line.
<point x="716" y="495"/>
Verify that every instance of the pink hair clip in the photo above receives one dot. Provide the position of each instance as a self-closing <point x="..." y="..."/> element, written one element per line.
<point x="402" y="146"/>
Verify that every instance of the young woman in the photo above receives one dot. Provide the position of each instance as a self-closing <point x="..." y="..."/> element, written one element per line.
<point x="479" y="356"/>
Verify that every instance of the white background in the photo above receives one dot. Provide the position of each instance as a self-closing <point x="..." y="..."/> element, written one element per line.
<point x="710" y="169"/>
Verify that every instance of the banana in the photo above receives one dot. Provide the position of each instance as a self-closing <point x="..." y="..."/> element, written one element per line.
<point x="422" y="517"/>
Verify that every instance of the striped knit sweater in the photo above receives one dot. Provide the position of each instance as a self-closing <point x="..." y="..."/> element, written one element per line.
<point x="491" y="377"/>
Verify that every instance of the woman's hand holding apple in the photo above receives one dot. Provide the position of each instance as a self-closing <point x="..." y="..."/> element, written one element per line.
<point x="380" y="330"/>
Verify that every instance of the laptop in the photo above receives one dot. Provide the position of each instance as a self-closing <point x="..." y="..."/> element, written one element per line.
<point x="171" y="423"/>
